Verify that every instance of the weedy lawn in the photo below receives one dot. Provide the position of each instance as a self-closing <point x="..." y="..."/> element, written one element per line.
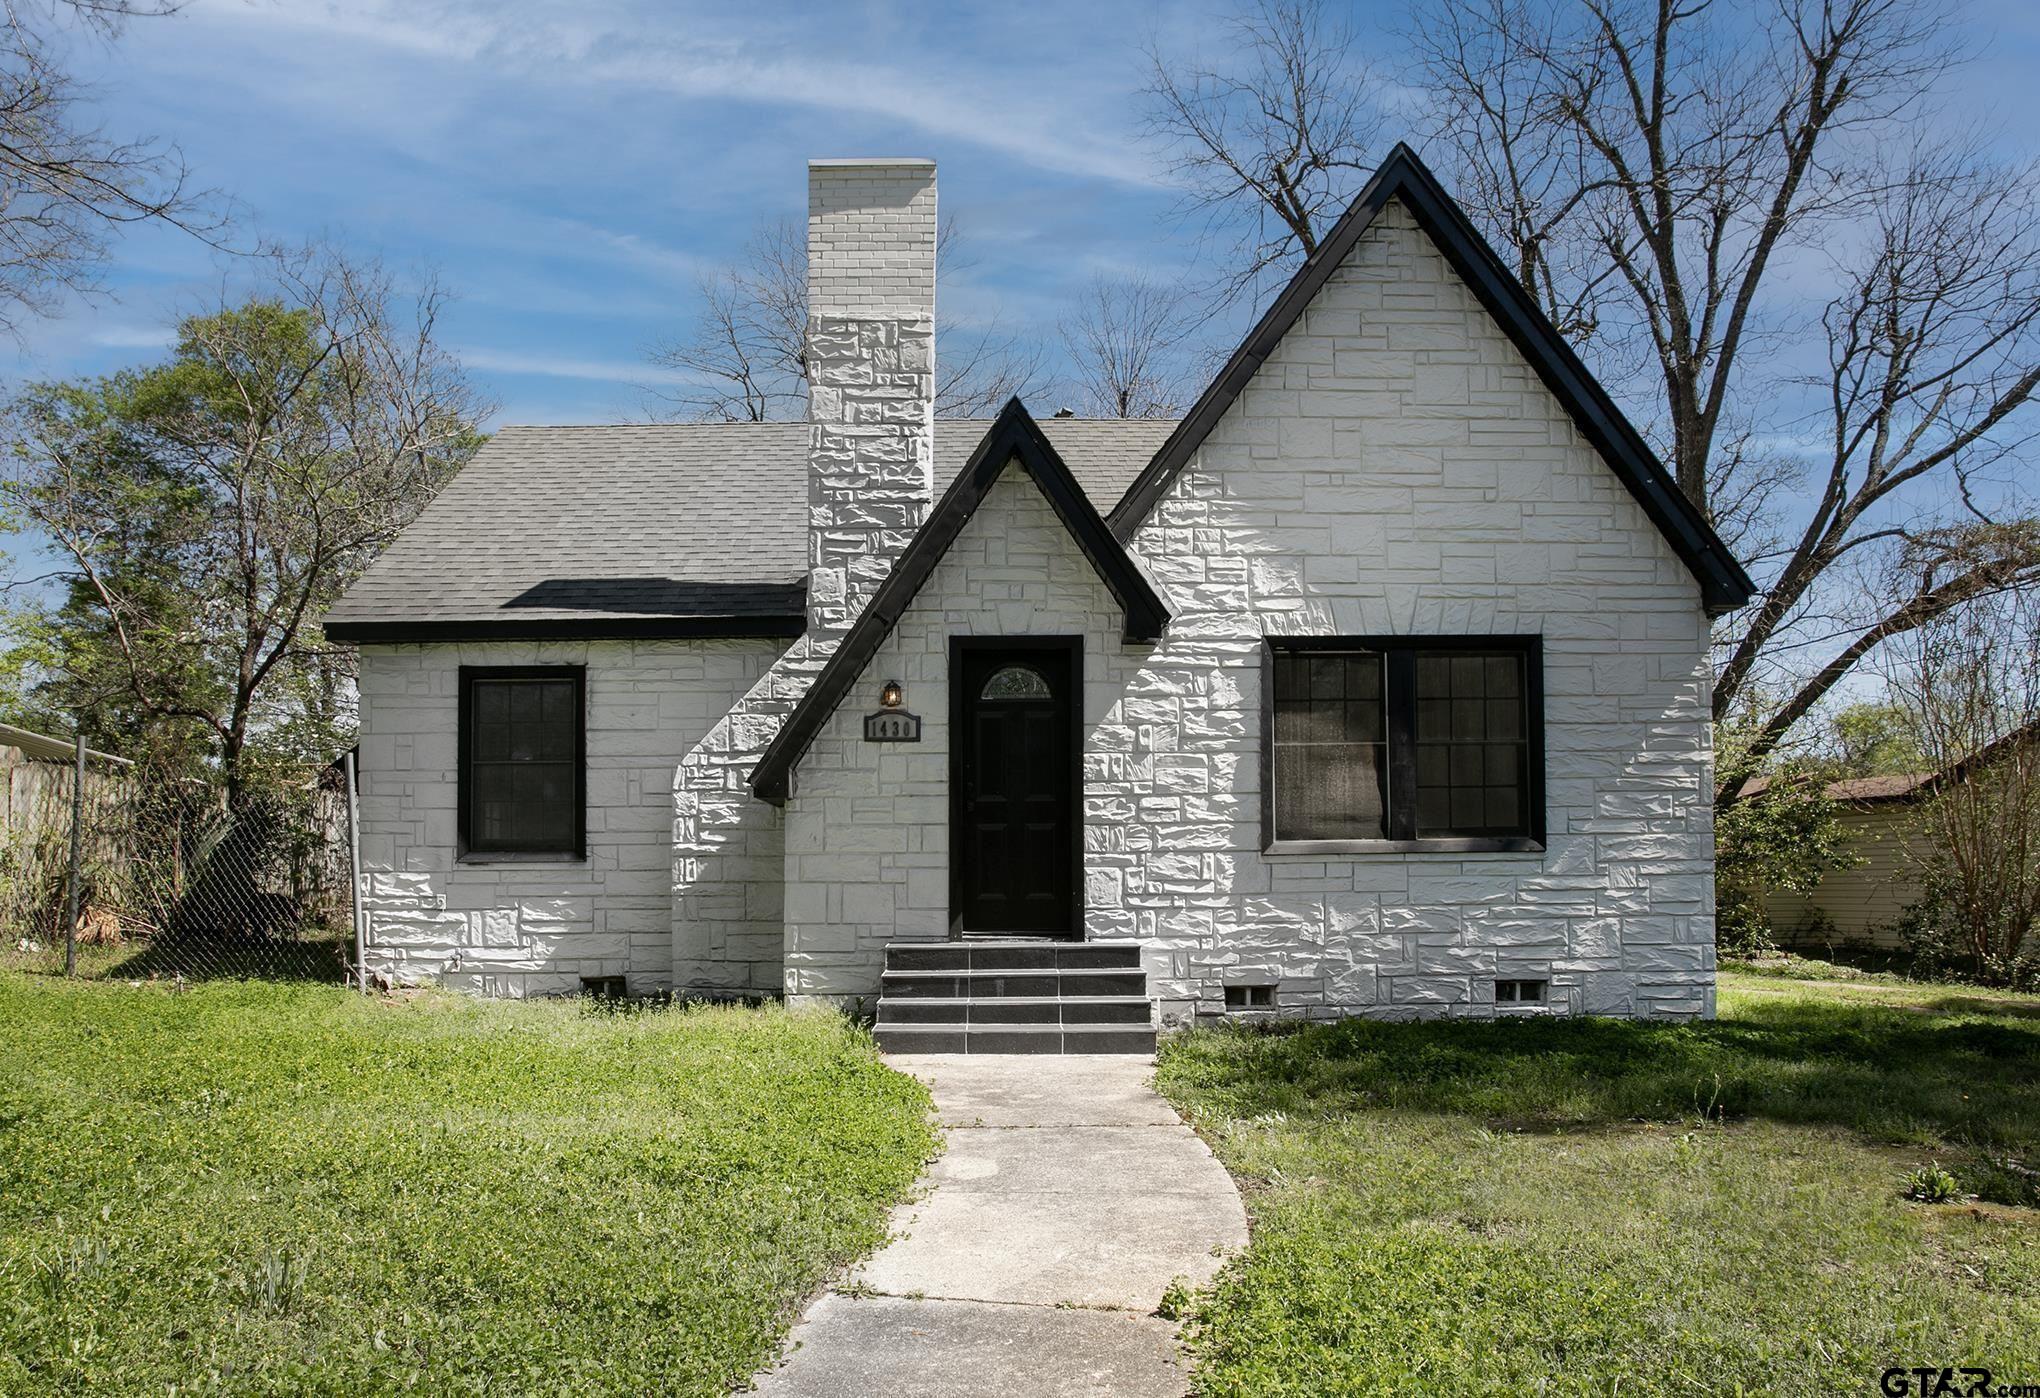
<point x="1599" y="1206"/>
<point x="290" y="1188"/>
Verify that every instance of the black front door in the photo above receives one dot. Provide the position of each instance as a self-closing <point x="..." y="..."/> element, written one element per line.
<point x="1014" y="788"/>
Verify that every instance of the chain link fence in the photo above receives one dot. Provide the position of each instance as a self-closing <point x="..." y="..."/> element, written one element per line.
<point x="173" y="884"/>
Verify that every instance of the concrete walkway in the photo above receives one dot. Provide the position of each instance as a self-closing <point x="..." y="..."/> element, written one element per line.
<point x="1068" y="1199"/>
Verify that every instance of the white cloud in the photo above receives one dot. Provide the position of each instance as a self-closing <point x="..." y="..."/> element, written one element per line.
<point x="140" y="337"/>
<point x="566" y="367"/>
<point x="944" y="96"/>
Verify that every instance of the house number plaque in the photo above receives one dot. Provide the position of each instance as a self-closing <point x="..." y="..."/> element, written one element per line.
<point x="892" y="726"/>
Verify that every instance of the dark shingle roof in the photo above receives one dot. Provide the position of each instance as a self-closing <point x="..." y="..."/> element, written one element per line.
<point x="626" y="528"/>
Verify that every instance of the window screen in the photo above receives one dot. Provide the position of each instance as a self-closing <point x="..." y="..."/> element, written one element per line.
<point x="521" y="774"/>
<point x="1404" y="739"/>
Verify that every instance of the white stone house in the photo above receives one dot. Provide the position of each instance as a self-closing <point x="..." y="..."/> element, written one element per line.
<point x="1375" y="685"/>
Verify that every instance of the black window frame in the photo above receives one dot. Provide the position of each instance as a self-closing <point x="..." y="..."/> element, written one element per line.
<point x="1399" y="700"/>
<point x="464" y="796"/>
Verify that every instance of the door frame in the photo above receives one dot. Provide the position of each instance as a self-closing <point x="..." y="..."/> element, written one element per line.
<point x="959" y="711"/>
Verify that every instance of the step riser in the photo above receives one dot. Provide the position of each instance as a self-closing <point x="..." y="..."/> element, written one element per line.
<point x="965" y="956"/>
<point x="955" y="1039"/>
<point x="1067" y="1012"/>
<point x="922" y="985"/>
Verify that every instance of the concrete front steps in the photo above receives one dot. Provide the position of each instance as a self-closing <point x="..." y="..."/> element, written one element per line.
<point x="1014" y="996"/>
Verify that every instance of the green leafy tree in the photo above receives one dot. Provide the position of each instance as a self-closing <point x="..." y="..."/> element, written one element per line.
<point x="1783" y="835"/>
<point x="207" y="510"/>
<point x="1875" y="739"/>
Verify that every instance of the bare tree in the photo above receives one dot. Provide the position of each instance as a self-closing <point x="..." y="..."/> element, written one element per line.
<point x="1125" y="339"/>
<point x="1933" y="347"/>
<point x="1664" y="178"/>
<point x="1271" y="144"/>
<point x="65" y="186"/>
<point x="210" y="508"/>
<point x="746" y="360"/>
<point x="1970" y="685"/>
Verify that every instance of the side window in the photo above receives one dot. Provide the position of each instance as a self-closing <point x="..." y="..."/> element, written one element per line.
<point x="522" y="761"/>
<point x="1410" y="741"/>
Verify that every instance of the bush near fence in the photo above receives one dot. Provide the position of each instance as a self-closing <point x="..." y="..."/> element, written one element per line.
<point x="173" y="883"/>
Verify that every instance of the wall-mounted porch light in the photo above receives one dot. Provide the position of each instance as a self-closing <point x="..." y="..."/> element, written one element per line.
<point x="892" y="696"/>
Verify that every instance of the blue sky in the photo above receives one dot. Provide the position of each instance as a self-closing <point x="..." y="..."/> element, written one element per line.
<point x="569" y="170"/>
<point x="570" y="167"/>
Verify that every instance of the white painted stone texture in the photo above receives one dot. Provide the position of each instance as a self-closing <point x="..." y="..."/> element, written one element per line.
<point x="1394" y="467"/>
<point x="534" y="927"/>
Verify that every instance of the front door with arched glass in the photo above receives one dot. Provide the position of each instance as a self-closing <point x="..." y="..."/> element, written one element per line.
<point x="1015" y="833"/>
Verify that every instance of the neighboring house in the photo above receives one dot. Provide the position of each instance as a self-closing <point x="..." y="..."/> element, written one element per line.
<point x="1879" y="821"/>
<point x="1881" y="826"/>
<point x="1377" y="684"/>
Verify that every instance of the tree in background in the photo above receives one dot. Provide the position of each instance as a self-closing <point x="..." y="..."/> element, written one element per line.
<point x="65" y="186"/>
<point x="1970" y="684"/>
<point x="210" y="508"/>
<point x="1273" y="143"/>
<point x="1874" y="739"/>
<point x="746" y="359"/>
<point x="1784" y="835"/>
<point x="1668" y="181"/>
<point x="1125" y="340"/>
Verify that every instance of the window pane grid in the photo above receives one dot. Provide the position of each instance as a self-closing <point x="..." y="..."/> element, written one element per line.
<point x="522" y="741"/>
<point x="1400" y="742"/>
<point x="1471" y="747"/>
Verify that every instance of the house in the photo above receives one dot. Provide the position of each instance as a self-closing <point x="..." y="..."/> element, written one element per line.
<point x="1863" y="901"/>
<point x="1889" y="845"/>
<point x="1375" y="685"/>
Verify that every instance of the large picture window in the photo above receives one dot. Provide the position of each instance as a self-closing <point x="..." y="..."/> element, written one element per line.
<point x="1403" y="743"/>
<point x="522" y="761"/>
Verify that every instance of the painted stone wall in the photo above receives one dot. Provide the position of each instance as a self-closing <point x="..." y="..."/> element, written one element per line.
<point x="1397" y="467"/>
<point x="867" y="828"/>
<point x="1394" y="467"/>
<point x="534" y="927"/>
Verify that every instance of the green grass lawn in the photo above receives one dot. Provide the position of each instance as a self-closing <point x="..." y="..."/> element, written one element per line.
<point x="264" y="1188"/>
<point x="1599" y="1206"/>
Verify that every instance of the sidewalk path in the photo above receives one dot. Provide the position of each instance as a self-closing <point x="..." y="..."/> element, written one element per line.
<point x="1068" y="1199"/>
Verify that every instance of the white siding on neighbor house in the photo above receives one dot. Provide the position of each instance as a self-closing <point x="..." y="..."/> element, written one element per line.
<point x="529" y="928"/>
<point x="1394" y="467"/>
<point x="1864" y="903"/>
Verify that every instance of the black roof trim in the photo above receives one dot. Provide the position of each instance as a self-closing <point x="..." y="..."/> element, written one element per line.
<point x="1014" y="436"/>
<point x="1724" y="585"/>
<point x="608" y="628"/>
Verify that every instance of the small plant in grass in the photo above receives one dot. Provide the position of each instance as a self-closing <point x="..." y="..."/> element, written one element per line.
<point x="1930" y="1184"/>
<point x="1178" y="1300"/>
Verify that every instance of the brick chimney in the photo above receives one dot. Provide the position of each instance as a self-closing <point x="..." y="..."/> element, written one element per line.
<point x="871" y="375"/>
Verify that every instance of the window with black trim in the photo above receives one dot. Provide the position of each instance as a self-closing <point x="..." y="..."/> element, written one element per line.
<point x="523" y="782"/>
<point x="1418" y="742"/>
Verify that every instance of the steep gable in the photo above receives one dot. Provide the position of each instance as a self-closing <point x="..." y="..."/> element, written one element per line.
<point x="1014" y="438"/>
<point x="1403" y="178"/>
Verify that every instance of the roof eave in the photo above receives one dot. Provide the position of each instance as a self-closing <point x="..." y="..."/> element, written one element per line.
<point x="401" y="631"/>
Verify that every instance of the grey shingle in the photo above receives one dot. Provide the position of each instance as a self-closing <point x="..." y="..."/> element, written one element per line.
<point x="654" y="520"/>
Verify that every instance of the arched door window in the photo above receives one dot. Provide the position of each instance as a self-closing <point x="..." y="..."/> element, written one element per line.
<point x="1016" y="682"/>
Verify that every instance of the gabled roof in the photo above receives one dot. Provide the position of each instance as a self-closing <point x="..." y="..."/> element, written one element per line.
<point x="647" y="529"/>
<point x="1014" y="437"/>
<point x="1723" y="583"/>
